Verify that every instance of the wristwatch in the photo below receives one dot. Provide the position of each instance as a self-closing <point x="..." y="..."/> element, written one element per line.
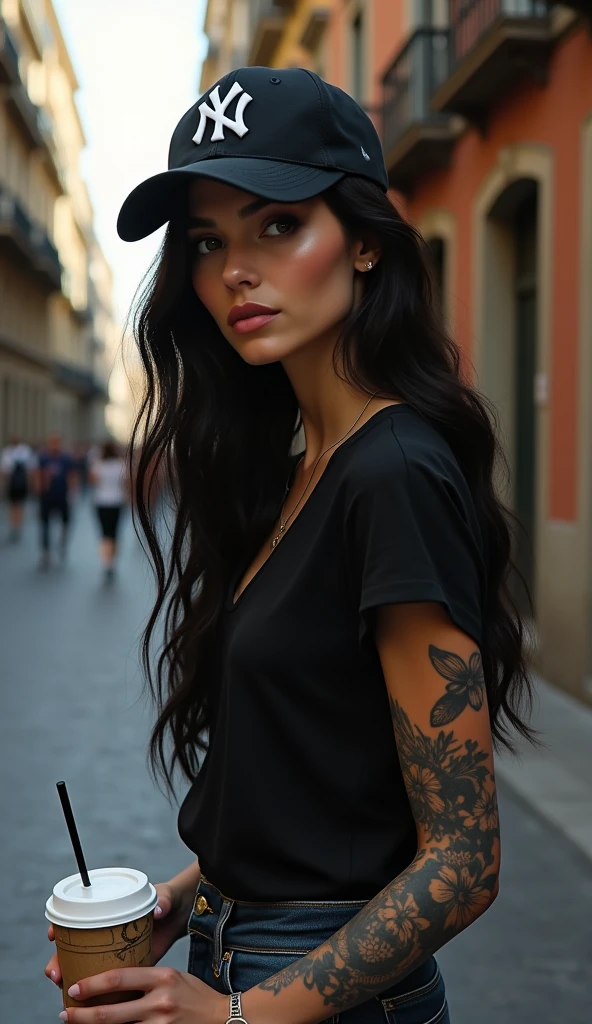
<point x="236" y="1010"/>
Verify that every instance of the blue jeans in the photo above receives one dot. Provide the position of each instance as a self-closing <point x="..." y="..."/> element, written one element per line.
<point x="236" y="945"/>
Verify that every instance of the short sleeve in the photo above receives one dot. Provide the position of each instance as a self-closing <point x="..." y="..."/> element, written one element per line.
<point x="412" y="534"/>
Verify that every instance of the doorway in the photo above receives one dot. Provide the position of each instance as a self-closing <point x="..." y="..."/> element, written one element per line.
<point x="525" y="367"/>
<point x="509" y="361"/>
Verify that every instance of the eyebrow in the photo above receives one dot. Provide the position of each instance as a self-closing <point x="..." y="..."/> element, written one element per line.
<point x="244" y="212"/>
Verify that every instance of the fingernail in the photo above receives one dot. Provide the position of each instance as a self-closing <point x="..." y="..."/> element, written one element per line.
<point x="74" y="991"/>
<point x="158" y="910"/>
<point x="64" y="1015"/>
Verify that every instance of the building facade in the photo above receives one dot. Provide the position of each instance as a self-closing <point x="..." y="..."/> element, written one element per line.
<point x="484" y="108"/>
<point x="56" y="320"/>
<point x="228" y="26"/>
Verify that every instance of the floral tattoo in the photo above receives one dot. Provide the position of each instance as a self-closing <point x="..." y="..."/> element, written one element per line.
<point x="452" y="877"/>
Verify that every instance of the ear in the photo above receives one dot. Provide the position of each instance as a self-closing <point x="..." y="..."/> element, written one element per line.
<point x="366" y="257"/>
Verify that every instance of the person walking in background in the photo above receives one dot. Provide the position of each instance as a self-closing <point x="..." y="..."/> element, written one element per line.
<point x="93" y="453"/>
<point x="16" y="464"/>
<point x="108" y="477"/>
<point x="55" y="479"/>
<point x="80" y="454"/>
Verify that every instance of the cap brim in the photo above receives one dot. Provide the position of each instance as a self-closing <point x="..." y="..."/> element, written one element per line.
<point x="151" y="204"/>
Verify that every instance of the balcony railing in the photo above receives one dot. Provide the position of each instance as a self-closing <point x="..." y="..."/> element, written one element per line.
<point x="29" y="240"/>
<point x="266" y="22"/>
<point x="474" y="19"/>
<point x="46" y="126"/>
<point x="13" y="219"/>
<point x="27" y="114"/>
<point x="314" y="26"/>
<point x="583" y="6"/>
<point x="408" y="85"/>
<point x="36" y="22"/>
<point x="9" y="57"/>
<point x="83" y="314"/>
<point x="46" y="256"/>
<point x="79" y="379"/>
<point x="414" y="137"/>
<point x="493" y="45"/>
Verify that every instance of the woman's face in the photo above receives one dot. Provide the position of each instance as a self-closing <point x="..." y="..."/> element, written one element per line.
<point x="291" y="258"/>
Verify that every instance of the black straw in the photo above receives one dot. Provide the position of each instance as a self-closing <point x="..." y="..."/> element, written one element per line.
<point x="67" y="809"/>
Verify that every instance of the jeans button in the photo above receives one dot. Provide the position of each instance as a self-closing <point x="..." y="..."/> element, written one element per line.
<point x="201" y="905"/>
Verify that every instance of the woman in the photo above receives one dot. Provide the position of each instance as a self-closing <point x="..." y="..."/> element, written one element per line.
<point x="108" y="478"/>
<point x="340" y="641"/>
<point x="16" y="464"/>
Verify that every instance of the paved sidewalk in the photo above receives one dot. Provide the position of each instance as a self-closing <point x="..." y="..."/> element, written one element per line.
<point x="556" y="780"/>
<point x="74" y="709"/>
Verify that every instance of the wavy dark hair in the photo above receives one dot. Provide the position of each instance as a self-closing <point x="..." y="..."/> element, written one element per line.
<point x="221" y="431"/>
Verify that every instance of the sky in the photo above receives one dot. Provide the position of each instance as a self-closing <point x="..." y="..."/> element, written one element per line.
<point x="138" y="64"/>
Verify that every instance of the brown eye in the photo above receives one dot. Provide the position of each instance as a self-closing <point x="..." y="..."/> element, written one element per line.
<point x="284" y="226"/>
<point x="202" y="246"/>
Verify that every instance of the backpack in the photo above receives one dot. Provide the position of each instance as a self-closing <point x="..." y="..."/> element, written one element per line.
<point x="18" y="477"/>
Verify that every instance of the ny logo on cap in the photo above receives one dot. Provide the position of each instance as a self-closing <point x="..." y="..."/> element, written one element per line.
<point x="218" y="115"/>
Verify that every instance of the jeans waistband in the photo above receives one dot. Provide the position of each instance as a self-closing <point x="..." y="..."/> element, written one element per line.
<point x="287" y="926"/>
<point x="277" y="903"/>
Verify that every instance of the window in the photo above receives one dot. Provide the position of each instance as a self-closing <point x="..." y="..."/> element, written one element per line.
<point x="421" y="13"/>
<point x="428" y="14"/>
<point x="438" y="274"/>
<point x="357" y="57"/>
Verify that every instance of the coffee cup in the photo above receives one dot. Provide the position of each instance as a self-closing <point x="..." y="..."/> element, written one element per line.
<point x="107" y="925"/>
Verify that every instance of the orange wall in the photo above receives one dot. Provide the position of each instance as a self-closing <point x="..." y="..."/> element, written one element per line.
<point x="550" y="116"/>
<point x="389" y="33"/>
<point x="387" y="30"/>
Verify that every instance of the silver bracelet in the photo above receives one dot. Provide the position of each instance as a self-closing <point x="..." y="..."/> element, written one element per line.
<point x="236" y="1010"/>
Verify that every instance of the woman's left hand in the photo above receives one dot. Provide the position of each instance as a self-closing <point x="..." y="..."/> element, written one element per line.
<point x="170" y="997"/>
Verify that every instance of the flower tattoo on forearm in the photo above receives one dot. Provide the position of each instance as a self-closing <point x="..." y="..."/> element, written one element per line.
<point x="452" y="878"/>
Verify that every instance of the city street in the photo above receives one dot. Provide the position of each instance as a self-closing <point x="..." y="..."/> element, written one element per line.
<point x="73" y="709"/>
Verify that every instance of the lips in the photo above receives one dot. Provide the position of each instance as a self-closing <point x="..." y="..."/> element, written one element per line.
<point x="249" y="310"/>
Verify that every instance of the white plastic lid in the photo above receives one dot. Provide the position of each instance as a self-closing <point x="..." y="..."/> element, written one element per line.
<point x="116" y="896"/>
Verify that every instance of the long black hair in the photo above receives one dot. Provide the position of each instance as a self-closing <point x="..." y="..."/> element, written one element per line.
<point x="221" y="431"/>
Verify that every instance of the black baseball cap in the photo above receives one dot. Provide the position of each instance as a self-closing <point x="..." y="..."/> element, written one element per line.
<point x="280" y="133"/>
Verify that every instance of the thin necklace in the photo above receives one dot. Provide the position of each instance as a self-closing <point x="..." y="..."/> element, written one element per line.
<point x="284" y="522"/>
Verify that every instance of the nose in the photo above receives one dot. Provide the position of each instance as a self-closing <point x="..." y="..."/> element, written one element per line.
<point x="240" y="270"/>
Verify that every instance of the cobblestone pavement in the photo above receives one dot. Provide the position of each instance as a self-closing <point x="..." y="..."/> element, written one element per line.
<point x="73" y="710"/>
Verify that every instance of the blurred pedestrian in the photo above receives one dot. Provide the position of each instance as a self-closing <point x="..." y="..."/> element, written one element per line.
<point x="108" y="477"/>
<point x="56" y="478"/>
<point x="93" y="453"/>
<point x="82" y="466"/>
<point x="16" y="464"/>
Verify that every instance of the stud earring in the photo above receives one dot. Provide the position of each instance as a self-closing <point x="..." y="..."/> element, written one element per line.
<point x="369" y="265"/>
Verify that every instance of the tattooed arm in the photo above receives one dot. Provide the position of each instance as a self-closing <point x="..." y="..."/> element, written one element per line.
<point x="438" y="704"/>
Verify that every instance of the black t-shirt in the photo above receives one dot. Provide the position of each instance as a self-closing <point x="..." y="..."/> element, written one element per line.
<point x="301" y="794"/>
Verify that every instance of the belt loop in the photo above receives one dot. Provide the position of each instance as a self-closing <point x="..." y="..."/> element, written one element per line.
<point x="223" y="916"/>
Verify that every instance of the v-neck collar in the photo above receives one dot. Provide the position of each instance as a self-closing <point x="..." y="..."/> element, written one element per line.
<point x="230" y="604"/>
